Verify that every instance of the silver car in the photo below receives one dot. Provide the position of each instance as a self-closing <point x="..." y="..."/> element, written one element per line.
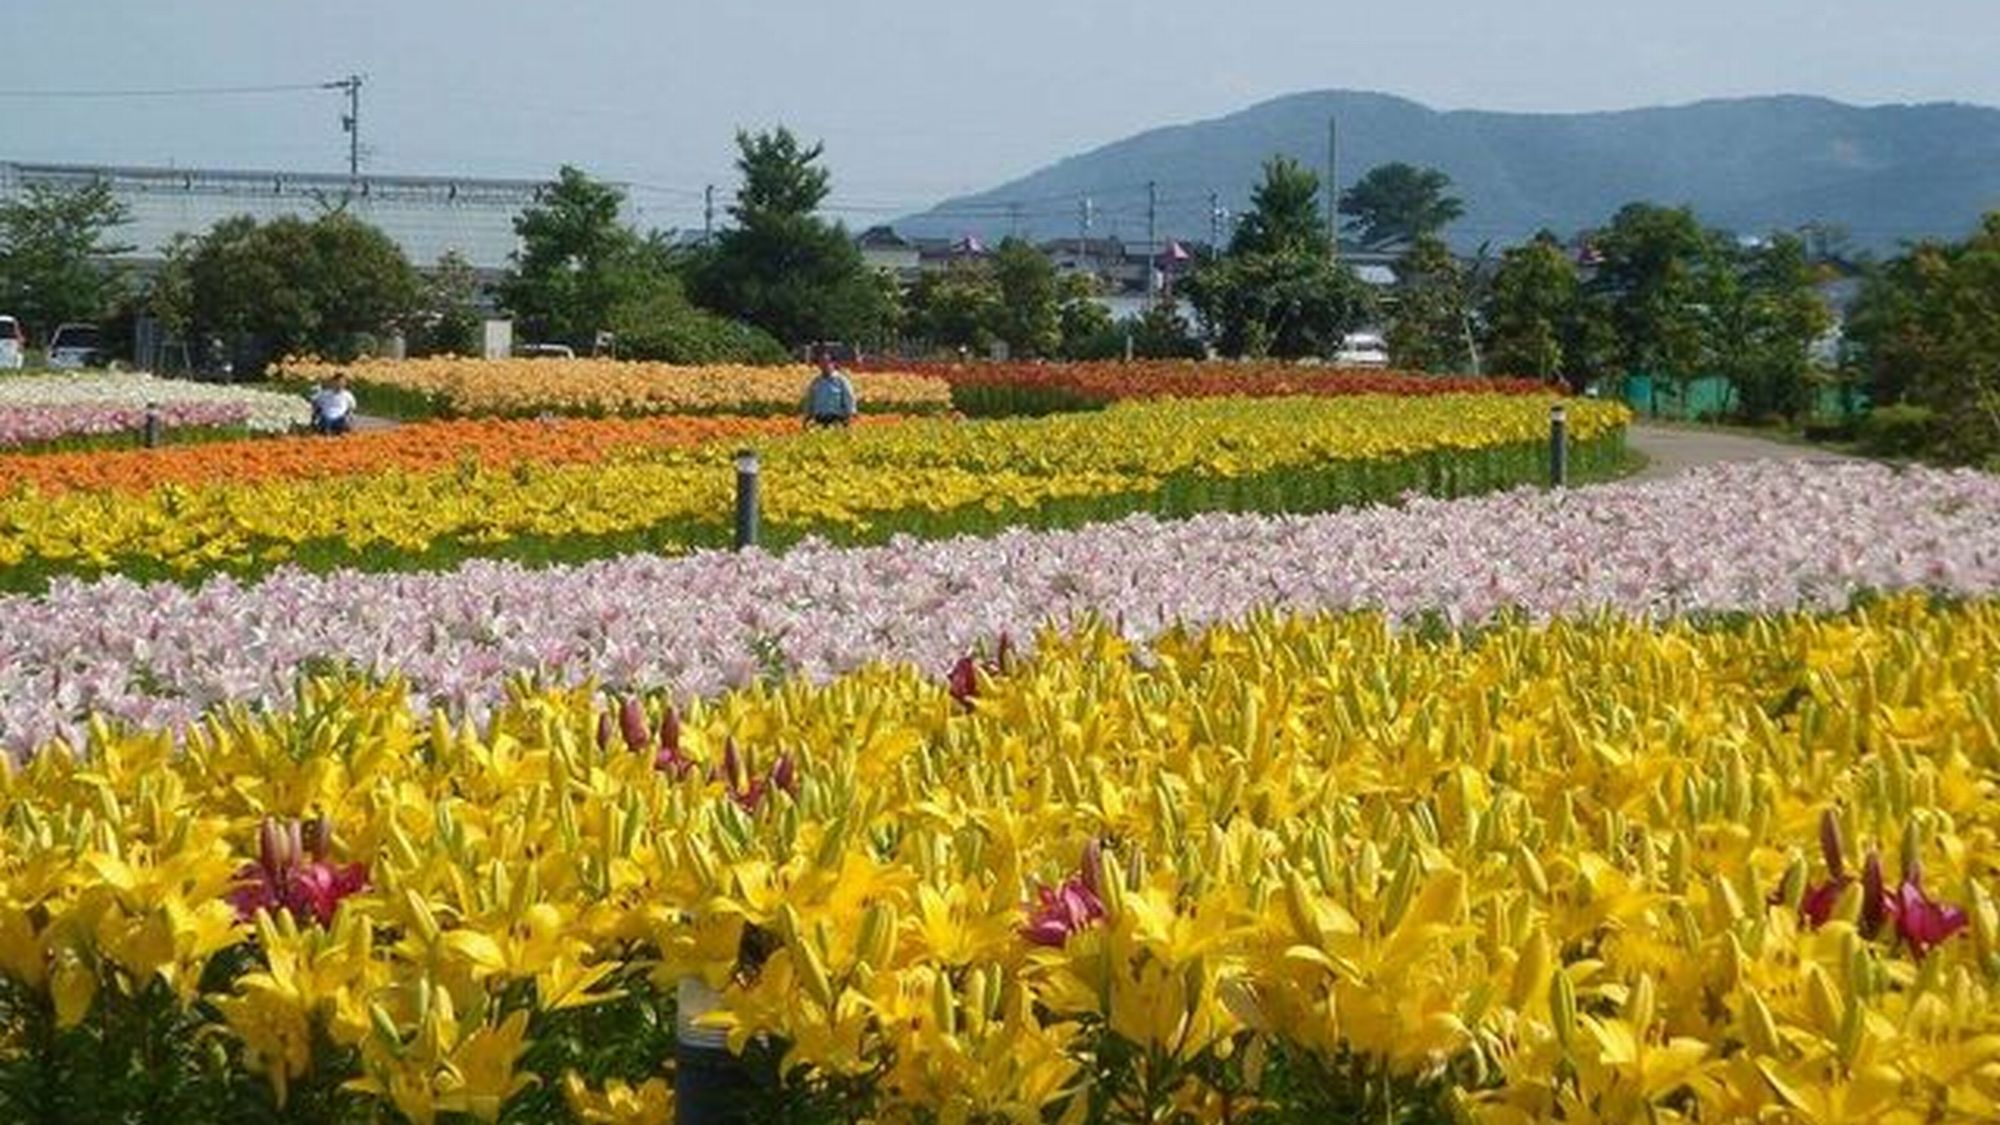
<point x="76" y="345"/>
<point x="13" y="345"/>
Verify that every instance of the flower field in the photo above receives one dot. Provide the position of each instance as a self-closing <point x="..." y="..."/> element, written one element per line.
<point x="1008" y="389"/>
<point x="1307" y="869"/>
<point x="929" y="478"/>
<point x="421" y="447"/>
<point x="43" y="408"/>
<point x="1706" y="544"/>
<point x="513" y="388"/>
<point x="1199" y="744"/>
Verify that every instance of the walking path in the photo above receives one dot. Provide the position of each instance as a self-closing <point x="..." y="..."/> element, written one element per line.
<point x="1672" y="450"/>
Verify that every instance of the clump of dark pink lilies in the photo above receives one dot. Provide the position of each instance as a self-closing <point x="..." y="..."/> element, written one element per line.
<point x="1921" y="922"/>
<point x="292" y="873"/>
<point x="963" y="679"/>
<point x="1066" y="909"/>
<point x="664" y="743"/>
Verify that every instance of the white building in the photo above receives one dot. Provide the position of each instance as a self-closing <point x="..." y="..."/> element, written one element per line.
<point x="425" y="215"/>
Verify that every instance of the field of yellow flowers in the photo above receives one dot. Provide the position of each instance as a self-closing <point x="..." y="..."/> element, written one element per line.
<point x="1305" y="869"/>
<point x="513" y="388"/>
<point x="924" y="477"/>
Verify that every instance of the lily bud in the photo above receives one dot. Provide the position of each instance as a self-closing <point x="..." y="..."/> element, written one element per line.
<point x="875" y="944"/>
<point x="976" y="997"/>
<point x="1562" y="1010"/>
<point x="943" y="1007"/>
<point x="1531" y="871"/>
<point x="1531" y="972"/>
<point x="1823" y="1005"/>
<point x="1111" y="884"/>
<point x="632" y="723"/>
<point x="812" y="972"/>
<point x="1760" y="1031"/>
<point x="1299" y="910"/>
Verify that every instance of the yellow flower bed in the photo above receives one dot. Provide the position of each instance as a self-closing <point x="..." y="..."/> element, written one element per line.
<point x="1568" y="874"/>
<point x="825" y="482"/>
<point x="517" y="387"/>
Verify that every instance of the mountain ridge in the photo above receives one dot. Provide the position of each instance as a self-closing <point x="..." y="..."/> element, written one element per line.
<point x="1888" y="172"/>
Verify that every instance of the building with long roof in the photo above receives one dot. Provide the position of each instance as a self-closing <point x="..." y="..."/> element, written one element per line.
<point x="425" y="215"/>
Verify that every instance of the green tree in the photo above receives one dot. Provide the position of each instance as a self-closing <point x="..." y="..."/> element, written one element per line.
<point x="1029" y="312"/>
<point x="661" y="324"/>
<point x="1926" y="332"/>
<point x="1541" y="323"/>
<point x="1278" y="291"/>
<point x="54" y="246"/>
<point x="1764" y="317"/>
<point x="447" y="317"/>
<point x="1399" y="202"/>
<point x="1085" y="321"/>
<point x="1284" y="216"/>
<point x="1429" y="326"/>
<point x="1655" y="269"/>
<point x="956" y="307"/>
<point x="577" y="261"/>
<point x="292" y="285"/>
<point x="782" y="268"/>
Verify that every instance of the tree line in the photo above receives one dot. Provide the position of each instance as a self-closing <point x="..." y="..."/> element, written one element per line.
<point x="1652" y="291"/>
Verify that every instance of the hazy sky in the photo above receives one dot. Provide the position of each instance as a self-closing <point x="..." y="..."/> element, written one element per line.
<point x="916" y="99"/>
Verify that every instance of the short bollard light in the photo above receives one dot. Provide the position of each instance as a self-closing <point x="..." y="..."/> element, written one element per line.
<point x="152" y="425"/>
<point x="711" y="1086"/>
<point x="746" y="499"/>
<point x="1558" y="446"/>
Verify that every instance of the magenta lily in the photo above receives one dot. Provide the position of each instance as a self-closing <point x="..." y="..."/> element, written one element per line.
<point x="1064" y="910"/>
<point x="292" y="873"/>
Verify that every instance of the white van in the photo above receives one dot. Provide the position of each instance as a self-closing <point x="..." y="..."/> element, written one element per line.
<point x="1362" y="349"/>
<point x="13" y="345"/>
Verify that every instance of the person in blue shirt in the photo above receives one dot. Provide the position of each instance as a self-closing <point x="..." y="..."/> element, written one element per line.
<point x="830" y="398"/>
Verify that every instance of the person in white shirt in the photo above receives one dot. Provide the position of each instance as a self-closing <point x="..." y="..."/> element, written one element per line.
<point x="333" y="407"/>
<point x="830" y="398"/>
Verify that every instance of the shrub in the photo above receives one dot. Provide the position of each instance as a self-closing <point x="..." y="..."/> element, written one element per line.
<point x="1898" y="431"/>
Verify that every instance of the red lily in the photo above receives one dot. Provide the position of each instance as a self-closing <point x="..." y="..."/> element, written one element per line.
<point x="292" y="873"/>
<point x="963" y="679"/>
<point x="1067" y="909"/>
<point x="1922" y="921"/>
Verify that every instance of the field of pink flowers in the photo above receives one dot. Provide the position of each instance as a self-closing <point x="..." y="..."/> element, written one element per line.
<point x="35" y="425"/>
<point x="1755" y="537"/>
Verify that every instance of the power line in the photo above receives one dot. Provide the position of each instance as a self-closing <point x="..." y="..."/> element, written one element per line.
<point x="162" y="92"/>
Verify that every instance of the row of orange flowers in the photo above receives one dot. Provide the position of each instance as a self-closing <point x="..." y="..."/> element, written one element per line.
<point x="419" y="447"/>
<point x="1147" y="379"/>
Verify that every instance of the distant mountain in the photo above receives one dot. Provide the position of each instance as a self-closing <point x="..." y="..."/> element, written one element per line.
<point x="1751" y="165"/>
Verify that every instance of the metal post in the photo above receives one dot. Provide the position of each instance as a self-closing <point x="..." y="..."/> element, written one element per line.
<point x="711" y="1086"/>
<point x="1558" y="446"/>
<point x="1152" y="239"/>
<point x="152" y="425"/>
<point x="1333" y="187"/>
<point x="746" y="499"/>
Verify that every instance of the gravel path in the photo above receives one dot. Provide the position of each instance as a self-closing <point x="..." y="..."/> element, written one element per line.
<point x="1671" y="450"/>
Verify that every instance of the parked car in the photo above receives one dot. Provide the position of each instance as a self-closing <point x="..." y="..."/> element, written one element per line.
<point x="545" y="351"/>
<point x="76" y="345"/>
<point x="1362" y="349"/>
<point x="13" y="344"/>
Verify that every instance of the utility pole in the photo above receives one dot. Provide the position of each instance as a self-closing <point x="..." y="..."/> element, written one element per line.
<point x="350" y="122"/>
<point x="1152" y="239"/>
<point x="1333" y="187"/>
<point x="708" y="215"/>
<point x="1083" y="233"/>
